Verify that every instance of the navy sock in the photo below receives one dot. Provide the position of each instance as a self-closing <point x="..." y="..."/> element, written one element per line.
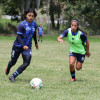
<point x="17" y="72"/>
<point x="73" y="74"/>
<point x="41" y="41"/>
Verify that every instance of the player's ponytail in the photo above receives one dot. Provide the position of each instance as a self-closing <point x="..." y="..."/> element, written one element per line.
<point x="82" y="31"/>
<point x="75" y="20"/>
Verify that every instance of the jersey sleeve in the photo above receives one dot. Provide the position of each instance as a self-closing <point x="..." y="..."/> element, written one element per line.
<point x="83" y="37"/>
<point x="65" y="33"/>
<point x="20" y="39"/>
<point x="36" y="26"/>
<point x="20" y="29"/>
<point x="42" y="28"/>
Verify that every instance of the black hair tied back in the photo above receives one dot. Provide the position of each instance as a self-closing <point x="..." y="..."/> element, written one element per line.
<point x="30" y="11"/>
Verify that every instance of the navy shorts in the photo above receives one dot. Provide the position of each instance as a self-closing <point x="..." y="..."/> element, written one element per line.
<point x="27" y="52"/>
<point x="79" y="57"/>
<point x="16" y="51"/>
<point x="40" y="35"/>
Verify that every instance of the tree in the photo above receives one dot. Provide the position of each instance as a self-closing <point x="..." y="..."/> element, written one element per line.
<point x="79" y="9"/>
<point x="55" y="9"/>
<point x="91" y="12"/>
<point x="0" y="11"/>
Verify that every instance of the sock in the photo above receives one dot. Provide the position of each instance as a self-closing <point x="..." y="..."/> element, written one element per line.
<point x="17" y="72"/>
<point x="73" y="74"/>
<point x="38" y="40"/>
<point x="41" y="41"/>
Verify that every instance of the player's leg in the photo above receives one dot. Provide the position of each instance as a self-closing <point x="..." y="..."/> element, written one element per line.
<point x="72" y="60"/>
<point x="12" y="62"/>
<point x="80" y="60"/>
<point x="26" y="55"/>
<point x="38" y="38"/>
<point x="41" y="38"/>
<point x="78" y="65"/>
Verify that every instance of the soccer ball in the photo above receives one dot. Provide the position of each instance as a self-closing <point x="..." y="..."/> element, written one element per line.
<point x="36" y="83"/>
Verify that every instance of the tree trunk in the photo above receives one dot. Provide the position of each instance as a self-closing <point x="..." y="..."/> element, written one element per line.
<point x="52" y="20"/>
<point x="22" y="6"/>
<point x="37" y="4"/>
<point x="58" y="24"/>
<point x="47" y="6"/>
<point x="28" y="2"/>
<point x="22" y="9"/>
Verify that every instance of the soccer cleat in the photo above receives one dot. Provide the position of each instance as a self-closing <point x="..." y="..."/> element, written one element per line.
<point x="7" y="71"/>
<point x="11" y="78"/>
<point x="73" y="80"/>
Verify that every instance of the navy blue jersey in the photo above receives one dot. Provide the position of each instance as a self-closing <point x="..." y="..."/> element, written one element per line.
<point x="82" y="36"/>
<point x="27" y="31"/>
<point x="40" y="30"/>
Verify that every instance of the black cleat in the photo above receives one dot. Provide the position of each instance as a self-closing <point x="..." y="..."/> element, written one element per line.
<point x="12" y="79"/>
<point x="7" y="71"/>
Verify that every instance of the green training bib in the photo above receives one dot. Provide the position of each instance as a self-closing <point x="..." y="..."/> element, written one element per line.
<point x="75" y="42"/>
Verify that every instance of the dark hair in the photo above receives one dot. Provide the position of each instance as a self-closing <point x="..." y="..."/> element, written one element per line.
<point x="30" y="11"/>
<point x="75" y="20"/>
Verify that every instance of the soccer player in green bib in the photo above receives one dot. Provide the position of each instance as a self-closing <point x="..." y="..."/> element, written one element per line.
<point x="79" y="46"/>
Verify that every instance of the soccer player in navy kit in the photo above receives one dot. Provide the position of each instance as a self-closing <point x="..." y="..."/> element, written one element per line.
<point x="40" y="33"/>
<point x="23" y="43"/>
<point x="79" y="46"/>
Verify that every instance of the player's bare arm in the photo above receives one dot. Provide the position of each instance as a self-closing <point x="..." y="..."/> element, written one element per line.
<point x="60" y="39"/>
<point x="87" y="50"/>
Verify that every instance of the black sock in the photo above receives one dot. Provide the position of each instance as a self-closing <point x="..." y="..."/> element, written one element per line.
<point x="17" y="72"/>
<point x="73" y="74"/>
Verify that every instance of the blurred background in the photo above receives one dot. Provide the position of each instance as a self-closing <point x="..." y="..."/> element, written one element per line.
<point x="54" y="15"/>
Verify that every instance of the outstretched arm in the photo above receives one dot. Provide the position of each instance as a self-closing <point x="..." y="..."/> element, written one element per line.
<point x="60" y="39"/>
<point x="87" y="49"/>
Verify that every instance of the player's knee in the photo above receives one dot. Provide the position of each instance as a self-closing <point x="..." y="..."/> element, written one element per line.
<point x="78" y="68"/>
<point x="71" y="64"/>
<point x="26" y="64"/>
<point x="12" y="62"/>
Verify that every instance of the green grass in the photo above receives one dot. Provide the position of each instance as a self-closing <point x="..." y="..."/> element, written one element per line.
<point x="50" y="63"/>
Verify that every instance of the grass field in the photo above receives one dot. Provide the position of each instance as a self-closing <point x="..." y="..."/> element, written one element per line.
<point x="51" y="64"/>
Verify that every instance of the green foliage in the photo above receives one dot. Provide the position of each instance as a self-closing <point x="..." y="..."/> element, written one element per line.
<point x="70" y="9"/>
<point x="70" y="13"/>
<point x="90" y="9"/>
<point x="10" y="8"/>
<point x="7" y="26"/>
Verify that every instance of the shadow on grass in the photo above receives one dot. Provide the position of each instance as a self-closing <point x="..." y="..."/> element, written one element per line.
<point x="23" y="80"/>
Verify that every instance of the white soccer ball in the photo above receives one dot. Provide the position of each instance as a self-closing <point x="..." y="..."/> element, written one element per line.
<point x="36" y="83"/>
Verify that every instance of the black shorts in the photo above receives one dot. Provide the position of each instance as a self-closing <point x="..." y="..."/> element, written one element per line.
<point x="79" y="57"/>
<point x="16" y="51"/>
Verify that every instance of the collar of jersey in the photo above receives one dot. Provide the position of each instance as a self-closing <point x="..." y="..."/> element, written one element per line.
<point x="74" y="33"/>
